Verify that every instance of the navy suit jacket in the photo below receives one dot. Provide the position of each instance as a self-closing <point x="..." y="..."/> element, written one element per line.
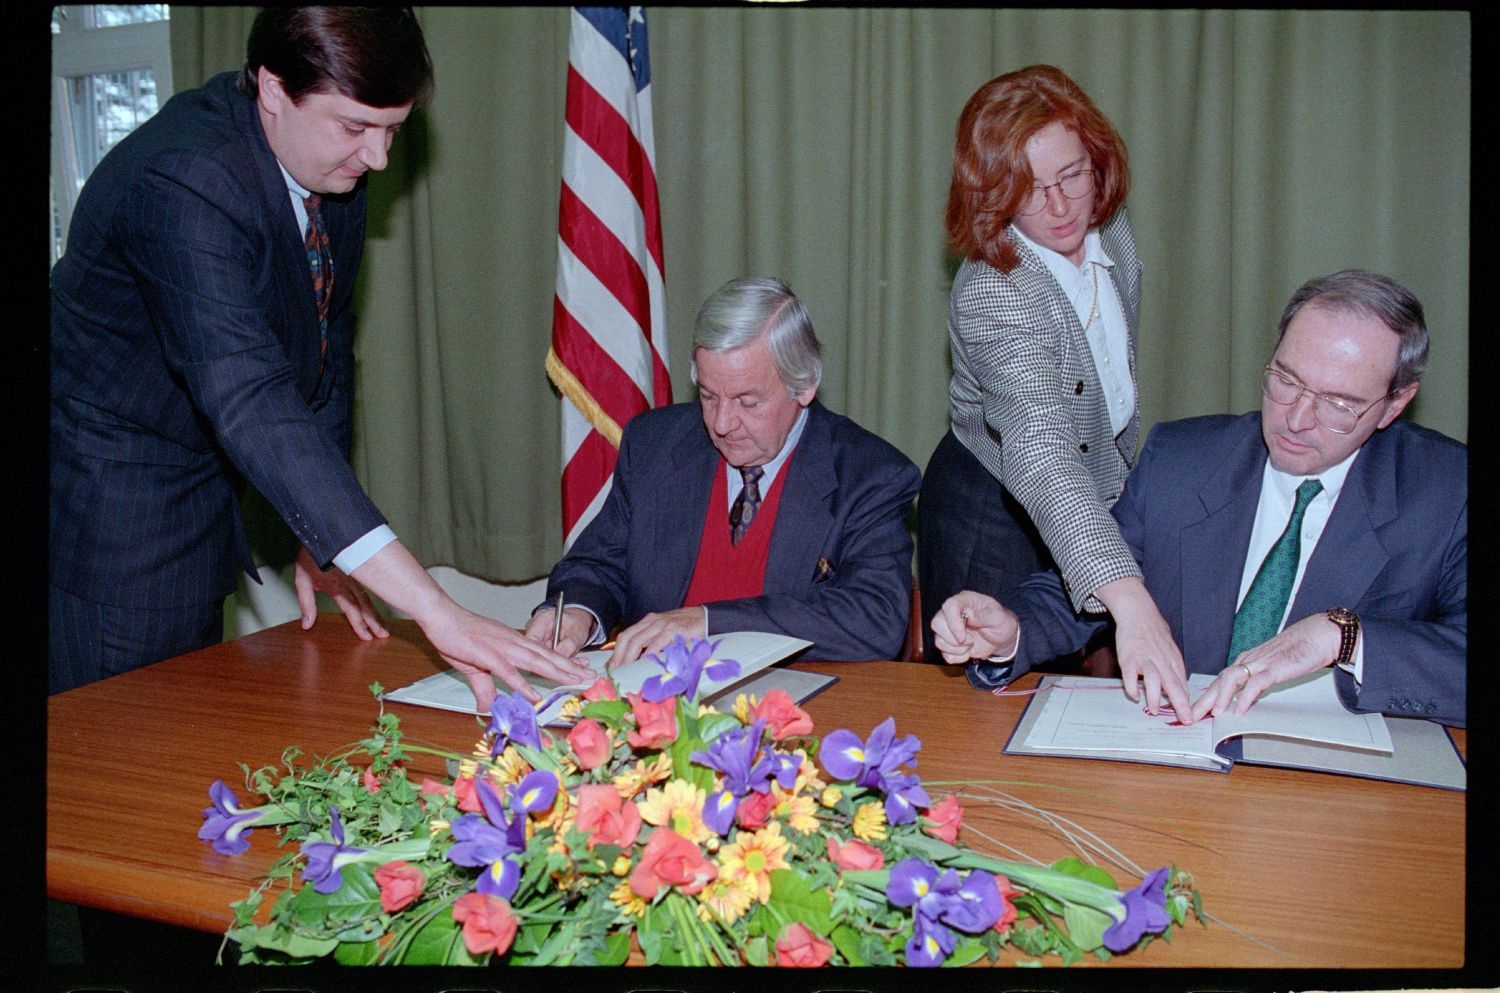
<point x="839" y="565"/>
<point x="1395" y="551"/>
<point x="185" y="360"/>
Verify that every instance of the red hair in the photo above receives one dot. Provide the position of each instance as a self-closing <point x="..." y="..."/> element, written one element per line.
<point x="991" y="174"/>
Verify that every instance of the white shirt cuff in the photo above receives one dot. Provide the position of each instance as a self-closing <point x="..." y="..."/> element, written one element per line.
<point x="359" y="553"/>
<point x="1356" y="664"/>
<point x="1014" y="649"/>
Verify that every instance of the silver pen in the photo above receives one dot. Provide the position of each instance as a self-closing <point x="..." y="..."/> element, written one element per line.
<point x="557" y="621"/>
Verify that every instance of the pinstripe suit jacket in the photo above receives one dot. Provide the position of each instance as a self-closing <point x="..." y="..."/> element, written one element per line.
<point x="839" y="568"/>
<point x="185" y="360"/>
<point x="1026" y="401"/>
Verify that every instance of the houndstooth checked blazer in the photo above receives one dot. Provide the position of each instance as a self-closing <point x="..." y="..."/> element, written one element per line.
<point x="1027" y="402"/>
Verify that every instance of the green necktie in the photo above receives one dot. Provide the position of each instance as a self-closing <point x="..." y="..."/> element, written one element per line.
<point x="1259" y="617"/>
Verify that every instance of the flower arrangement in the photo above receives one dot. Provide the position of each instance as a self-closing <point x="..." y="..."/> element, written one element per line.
<point x="659" y="827"/>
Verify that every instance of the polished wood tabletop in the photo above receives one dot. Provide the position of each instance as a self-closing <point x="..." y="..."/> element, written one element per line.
<point x="1299" y="869"/>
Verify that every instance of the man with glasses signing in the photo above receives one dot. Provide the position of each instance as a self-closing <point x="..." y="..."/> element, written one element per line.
<point x="1320" y="531"/>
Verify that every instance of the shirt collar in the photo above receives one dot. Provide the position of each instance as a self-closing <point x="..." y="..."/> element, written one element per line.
<point x="1093" y="251"/>
<point x="1332" y="478"/>
<point x="296" y="188"/>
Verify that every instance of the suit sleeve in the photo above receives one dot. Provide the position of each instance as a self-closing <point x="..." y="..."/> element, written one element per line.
<point x="1015" y="352"/>
<point x="594" y="571"/>
<point x="201" y="253"/>
<point x="860" y="607"/>
<point x="1418" y="667"/>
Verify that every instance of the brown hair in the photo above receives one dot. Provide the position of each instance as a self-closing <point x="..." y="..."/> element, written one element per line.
<point x="374" y="55"/>
<point x="991" y="174"/>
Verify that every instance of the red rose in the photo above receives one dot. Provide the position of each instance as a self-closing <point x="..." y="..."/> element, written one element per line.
<point x="1007" y="894"/>
<point x="607" y="818"/>
<point x="489" y="926"/>
<point x="468" y="795"/>
<point x="799" y="948"/>
<point x="655" y="723"/>
<point x="754" y="810"/>
<point x="943" y="819"/>
<point x="669" y="859"/>
<point x="590" y="743"/>
<point x="400" y="885"/>
<point x="855" y="854"/>
<point x="784" y="719"/>
<point x="600" y="689"/>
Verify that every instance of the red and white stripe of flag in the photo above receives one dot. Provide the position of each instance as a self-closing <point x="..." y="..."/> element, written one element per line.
<point x="609" y="339"/>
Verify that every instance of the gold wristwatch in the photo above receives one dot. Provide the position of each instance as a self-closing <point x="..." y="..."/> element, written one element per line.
<point x="1348" y="622"/>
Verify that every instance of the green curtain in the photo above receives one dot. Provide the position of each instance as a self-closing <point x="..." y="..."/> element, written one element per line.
<point x="815" y="144"/>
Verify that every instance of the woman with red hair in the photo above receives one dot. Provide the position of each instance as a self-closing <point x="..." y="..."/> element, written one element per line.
<point x="1041" y="325"/>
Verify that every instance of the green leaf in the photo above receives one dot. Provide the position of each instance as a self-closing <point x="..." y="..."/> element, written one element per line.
<point x="714" y="725"/>
<point x="290" y="943"/>
<point x="376" y="689"/>
<point x="356" y="952"/>
<point x="435" y="943"/>
<point x="611" y="712"/>
<point x="1082" y="870"/>
<point x="928" y="847"/>
<point x="538" y="758"/>
<point x="616" y="950"/>
<point x="1086" y="926"/>
<point x="758" y="951"/>
<point x="967" y="950"/>
<point x="795" y="900"/>
<point x="848" y="941"/>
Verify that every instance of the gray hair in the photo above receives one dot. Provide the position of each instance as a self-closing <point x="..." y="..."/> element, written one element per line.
<point x="748" y="309"/>
<point x="1380" y="297"/>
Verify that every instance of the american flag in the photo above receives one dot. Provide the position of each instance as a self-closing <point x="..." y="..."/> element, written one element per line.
<point x="609" y="336"/>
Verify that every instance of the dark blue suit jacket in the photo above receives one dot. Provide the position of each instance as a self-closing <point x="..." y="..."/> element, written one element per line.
<point x="839" y="567"/>
<point x="1395" y="551"/>
<point x="185" y="360"/>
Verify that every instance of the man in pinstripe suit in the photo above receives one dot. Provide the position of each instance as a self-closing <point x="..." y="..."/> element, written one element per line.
<point x="202" y="330"/>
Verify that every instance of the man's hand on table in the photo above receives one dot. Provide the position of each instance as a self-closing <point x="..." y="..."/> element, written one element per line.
<point x="577" y="625"/>
<point x="974" y="626"/>
<point x="1300" y="648"/>
<point x="654" y="632"/>
<point x="350" y="597"/>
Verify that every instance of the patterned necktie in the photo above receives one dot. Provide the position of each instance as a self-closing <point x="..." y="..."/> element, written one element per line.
<point x="320" y="262"/>
<point x="1259" y="617"/>
<point x="746" y="504"/>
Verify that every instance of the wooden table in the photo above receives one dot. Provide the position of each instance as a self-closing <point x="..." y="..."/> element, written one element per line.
<point x="1327" y="871"/>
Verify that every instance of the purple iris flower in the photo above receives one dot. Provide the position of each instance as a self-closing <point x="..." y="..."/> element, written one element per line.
<point x="685" y="666"/>
<point x="868" y="763"/>
<point x="931" y="943"/>
<point x="904" y="794"/>
<point x="513" y="719"/>
<point x="1145" y="910"/>
<point x="324" y="867"/>
<point x="941" y="901"/>
<point x="739" y="756"/>
<point x="719" y="810"/>
<point x="225" y="824"/>
<point x="535" y="793"/>
<point x="488" y="842"/>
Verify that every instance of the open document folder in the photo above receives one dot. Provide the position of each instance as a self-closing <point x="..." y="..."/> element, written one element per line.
<point x="753" y="650"/>
<point x="1298" y="724"/>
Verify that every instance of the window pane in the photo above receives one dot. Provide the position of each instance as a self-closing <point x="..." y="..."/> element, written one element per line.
<point x="113" y="15"/>
<point x="105" y="107"/>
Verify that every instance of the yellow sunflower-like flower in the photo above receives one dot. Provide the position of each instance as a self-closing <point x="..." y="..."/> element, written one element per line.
<point x="869" y="821"/>
<point x="436" y="827"/>
<point x="624" y="897"/>
<point x="633" y="780"/>
<point x="679" y="806"/>
<point x="725" y="900"/>
<point x="800" y="812"/>
<point x="808" y="780"/>
<point x="572" y="710"/>
<point x="705" y="709"/>
<point x="470" y="767"/>
<point x="508" y="768"/>
<point x="742" y="705"/>
<point x="830" y="797"/>
<point x="754" y="857"/>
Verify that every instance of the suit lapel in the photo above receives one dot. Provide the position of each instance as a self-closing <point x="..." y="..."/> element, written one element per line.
<point x="1228" y="500"/>
<point x="1333" y="577"/>
<point x="803" y="518"/>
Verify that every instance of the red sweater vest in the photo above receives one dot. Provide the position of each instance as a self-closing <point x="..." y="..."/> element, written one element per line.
<point x="726" y="571"/>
